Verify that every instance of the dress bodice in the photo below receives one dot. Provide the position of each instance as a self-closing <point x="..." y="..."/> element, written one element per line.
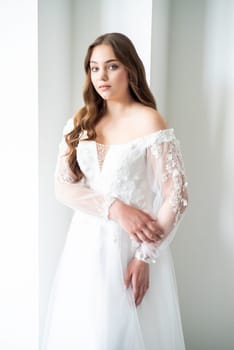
<point x="147" y="173"/>
<point x="119" y="170"/>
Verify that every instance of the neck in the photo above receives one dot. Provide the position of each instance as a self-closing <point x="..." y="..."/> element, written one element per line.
<point x="115" y="108"/>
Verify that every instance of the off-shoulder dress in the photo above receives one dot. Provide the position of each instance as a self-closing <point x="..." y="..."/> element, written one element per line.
<point x="89" y="306"/>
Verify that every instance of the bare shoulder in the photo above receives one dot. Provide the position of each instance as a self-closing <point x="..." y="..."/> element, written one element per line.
<point x="149" y="120"/>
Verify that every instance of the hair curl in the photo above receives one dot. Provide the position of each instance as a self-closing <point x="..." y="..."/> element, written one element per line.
<point x="94" y="106"/>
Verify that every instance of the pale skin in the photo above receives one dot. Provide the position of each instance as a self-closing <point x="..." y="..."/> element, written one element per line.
<point x="125" y="120"/>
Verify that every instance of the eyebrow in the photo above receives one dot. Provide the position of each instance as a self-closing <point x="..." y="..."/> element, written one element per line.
<point x="108" y="61"/>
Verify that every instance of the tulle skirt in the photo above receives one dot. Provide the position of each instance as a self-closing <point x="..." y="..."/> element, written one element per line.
<point x="89" y="306"/>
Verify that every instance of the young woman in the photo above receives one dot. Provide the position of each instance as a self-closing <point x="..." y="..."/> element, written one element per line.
<point x="120" y="168"/>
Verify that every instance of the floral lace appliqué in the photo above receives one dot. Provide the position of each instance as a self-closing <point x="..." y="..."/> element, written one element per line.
<point x="171" y="174"/>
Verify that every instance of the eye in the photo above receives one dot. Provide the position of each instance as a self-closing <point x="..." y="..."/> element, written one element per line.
<point x="113" y="66"/>
<point x="94" y="69"/>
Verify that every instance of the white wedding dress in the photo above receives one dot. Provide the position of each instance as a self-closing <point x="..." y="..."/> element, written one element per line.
<point x="89" y="307"/>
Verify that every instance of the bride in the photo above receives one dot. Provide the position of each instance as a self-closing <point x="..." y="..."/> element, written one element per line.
<point x="120" y="169"/>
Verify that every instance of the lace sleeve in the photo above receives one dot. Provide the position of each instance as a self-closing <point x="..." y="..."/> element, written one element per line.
<point x="77" y="195"/>
<point x="167" y="177"/>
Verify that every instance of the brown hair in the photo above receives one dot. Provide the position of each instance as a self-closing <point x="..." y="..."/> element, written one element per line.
<point x="94" y="106"/>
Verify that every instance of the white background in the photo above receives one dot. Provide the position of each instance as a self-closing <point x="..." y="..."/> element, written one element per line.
<point x="19" y="176"/>
<point x="188" y="50"/>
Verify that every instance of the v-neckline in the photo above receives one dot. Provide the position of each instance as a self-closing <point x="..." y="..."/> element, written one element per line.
<point x="101" y="154"/>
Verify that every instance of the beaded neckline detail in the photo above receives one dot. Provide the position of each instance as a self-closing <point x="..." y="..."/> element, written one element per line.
<point x="101" y="153"/>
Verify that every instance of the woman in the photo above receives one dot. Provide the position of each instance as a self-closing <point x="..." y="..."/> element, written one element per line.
<point x="121" y="170"/>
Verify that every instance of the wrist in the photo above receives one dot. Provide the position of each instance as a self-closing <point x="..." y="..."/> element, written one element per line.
<point x="141" y="261"/>
<point x="142" y="256"/>
<point x="115" y="210"/>
<point x="109" y="200"/>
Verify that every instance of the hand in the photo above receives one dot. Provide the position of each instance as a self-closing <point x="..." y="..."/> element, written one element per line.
<point x="138" y="224"/>
<point x="137" y="275"/>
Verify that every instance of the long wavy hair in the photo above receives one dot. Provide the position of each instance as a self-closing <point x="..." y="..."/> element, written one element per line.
<point x="94" y="107"/>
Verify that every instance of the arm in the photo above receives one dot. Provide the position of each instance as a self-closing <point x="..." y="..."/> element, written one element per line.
<point x="167" y="176"/>
<point x="77" y="195"/>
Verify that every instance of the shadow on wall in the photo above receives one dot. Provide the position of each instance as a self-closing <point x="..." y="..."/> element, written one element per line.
<point x="199" y="89"/>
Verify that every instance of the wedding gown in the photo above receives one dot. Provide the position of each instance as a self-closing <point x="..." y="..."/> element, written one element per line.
<point x="89" y="306"/>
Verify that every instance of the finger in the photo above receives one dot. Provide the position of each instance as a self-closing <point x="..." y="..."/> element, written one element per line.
<point x="148" y="234"/>
<point x="153" y="230"/>
<point x="159" y="235"/>
<point x="135" y="288"/>
<point x="140" y="296"/>
<point x="145" y="289"/>
<point x="141" y="236"/>
<point x="127" y="279"/>
<point x="153" y="225"/>
<point x="136" y="237"/>
<point x="142" y="292"/>
<point x="139" y="293"/>
<point x="144" y="234"/>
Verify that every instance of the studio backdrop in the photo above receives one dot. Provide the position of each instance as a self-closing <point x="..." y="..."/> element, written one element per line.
<point x="188" y="50"/>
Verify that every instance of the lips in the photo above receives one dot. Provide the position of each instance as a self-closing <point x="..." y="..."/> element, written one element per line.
<point x="104" y="87"/>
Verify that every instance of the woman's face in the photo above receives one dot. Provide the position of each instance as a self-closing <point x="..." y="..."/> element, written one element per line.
<point x="108" y="75"/>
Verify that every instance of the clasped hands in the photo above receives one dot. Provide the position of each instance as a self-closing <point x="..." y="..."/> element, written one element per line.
<point x="138" y="224"/>
<point x="143" y="228"/>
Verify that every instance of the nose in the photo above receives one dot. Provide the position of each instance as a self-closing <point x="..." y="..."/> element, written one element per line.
<point x="103" y="74"/>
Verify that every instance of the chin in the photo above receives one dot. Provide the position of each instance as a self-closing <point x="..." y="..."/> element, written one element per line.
<point x="107" y="97"/>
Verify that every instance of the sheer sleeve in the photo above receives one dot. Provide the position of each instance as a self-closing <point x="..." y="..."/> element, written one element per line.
<point x="77" y="195"/>
<point x="167" y="178"/>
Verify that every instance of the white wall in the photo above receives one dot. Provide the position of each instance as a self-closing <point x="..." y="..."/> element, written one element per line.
<point x="177" y="41"/>
<point x="159" y="52"/>
<point x="54" y="110"/>
<point x="200" y="106"/>
<point x="133" y="18"/>
<point x="18" y="176"/>
<point x="82" y="34"/>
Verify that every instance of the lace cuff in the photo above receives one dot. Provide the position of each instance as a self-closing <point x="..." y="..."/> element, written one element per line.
<point x="141" y="255"/>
